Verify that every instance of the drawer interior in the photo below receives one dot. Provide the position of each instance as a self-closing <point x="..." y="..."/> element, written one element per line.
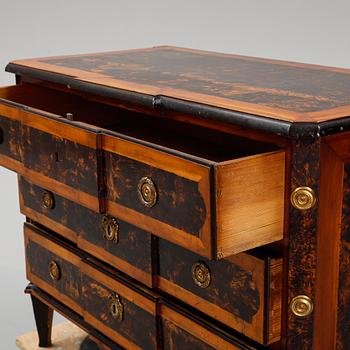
<point x="199" y="141"/>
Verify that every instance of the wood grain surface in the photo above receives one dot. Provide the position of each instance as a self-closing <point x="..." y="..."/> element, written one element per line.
<point x="281" y="90"/>
<point x="132" y="253"/>
<point x="238" y="292"/>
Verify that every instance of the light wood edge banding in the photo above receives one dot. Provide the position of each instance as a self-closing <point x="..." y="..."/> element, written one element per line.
<point x="115" y="261"/>
<point x="161" y="229"/>
<point x="112" y="334"/>
<point x="253" y="330"/>
<point x="125" y="292"/>
<point x="195" y="329"/>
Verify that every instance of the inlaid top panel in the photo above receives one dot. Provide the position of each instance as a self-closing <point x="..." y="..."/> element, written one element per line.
<point x="280" y="90"/>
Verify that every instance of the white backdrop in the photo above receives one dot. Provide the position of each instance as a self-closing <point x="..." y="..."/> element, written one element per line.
<point x="308" y="31"/>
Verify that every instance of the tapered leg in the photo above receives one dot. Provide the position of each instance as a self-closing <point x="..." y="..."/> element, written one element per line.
<point x="43" y="319"/>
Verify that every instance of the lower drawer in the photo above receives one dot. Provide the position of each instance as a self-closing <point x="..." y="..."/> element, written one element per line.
<point x="53" y="268"/>
<point x="243" y="291"/>
<point x="124" y="315"/>
<point x="120" y="310"/>
<point x="110" y="239"/>
<point x="130" y="315"/>
<point x="183" y="330"/>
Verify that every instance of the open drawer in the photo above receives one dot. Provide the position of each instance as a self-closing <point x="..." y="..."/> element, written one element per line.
<point x="214" y="197"/>
<point x="36" y="141"/>
<point x="211" y="192"/>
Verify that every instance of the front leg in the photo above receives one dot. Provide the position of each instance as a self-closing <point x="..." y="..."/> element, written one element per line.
<point x="43" y="319"/>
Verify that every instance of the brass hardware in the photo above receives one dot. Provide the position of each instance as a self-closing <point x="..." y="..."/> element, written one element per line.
<point x="110" y="228"/>
<point x="201" y="274"/>
<point x="147" y="192"/>
<point x="302" y="306"/>
<point x="116" y="308"/>
<point x="303" y="198"/>
<point x="55" y="271"/>
<point x="47" y="200"/>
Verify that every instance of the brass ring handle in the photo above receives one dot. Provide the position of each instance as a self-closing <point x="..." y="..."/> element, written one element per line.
<point x="54" y="270"/>
<point x="116" y="308"/>
<point x="147" y="192"/>
<point x="110" y="228"/>
<point x="201" y="274"/>
<point x="47" y="200"/>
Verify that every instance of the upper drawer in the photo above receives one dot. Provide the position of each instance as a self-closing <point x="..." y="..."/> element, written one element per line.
<point x="214" y="193"/>
<point x="125" y="315"/>
<point x="213" y="207"/>
<point x="47" y="148"/>
<point x="53" y="268"/>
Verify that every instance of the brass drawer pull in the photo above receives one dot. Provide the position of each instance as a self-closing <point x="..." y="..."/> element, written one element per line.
<point x="147" y="192"/>
<point x="201" y="274"/>
<point x="303" y="198"/>
<point x="54" y="270"/>
<point x="110" y="228"/>
<point x="302" y="306"/>
<point x="47" y="200"/>
<point x="116" y="308"/>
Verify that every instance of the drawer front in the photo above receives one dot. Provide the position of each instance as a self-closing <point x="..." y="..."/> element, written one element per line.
<point x="236" y="291"/>
<point x="124" y="246"/>
<point x="10" y="136"/>
<point x="124" y="315"/>
<point x="58" y="158"/>
<point x="178" y="202"/>
<point x="116" y="308"/>
<point x="183" y="331"/>
<point x="213" y="209"/>
<point x="51" y="150"/>
<point x="53" y="268"/>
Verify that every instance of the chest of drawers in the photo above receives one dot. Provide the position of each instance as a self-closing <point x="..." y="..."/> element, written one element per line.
<point x="181" y="199"/>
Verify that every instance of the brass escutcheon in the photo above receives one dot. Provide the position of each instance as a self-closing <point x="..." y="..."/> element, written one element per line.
<point x="302" y="306"/>
<point x="303" y="198"/>
<point x="116" y="308"/>
<point x="54" y="270"/>
<point x="201" y="274"/>
<point x="147" y="192"/>
<point x="110" y="228"/>
<point x="47" y="200"/>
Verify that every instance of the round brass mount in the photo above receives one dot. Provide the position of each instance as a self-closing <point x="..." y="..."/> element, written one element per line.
<point x="303" y="198"/>
<point x="147" y="192"/>
<point x="201" y="274"/>
<point x="302" y="306"/>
